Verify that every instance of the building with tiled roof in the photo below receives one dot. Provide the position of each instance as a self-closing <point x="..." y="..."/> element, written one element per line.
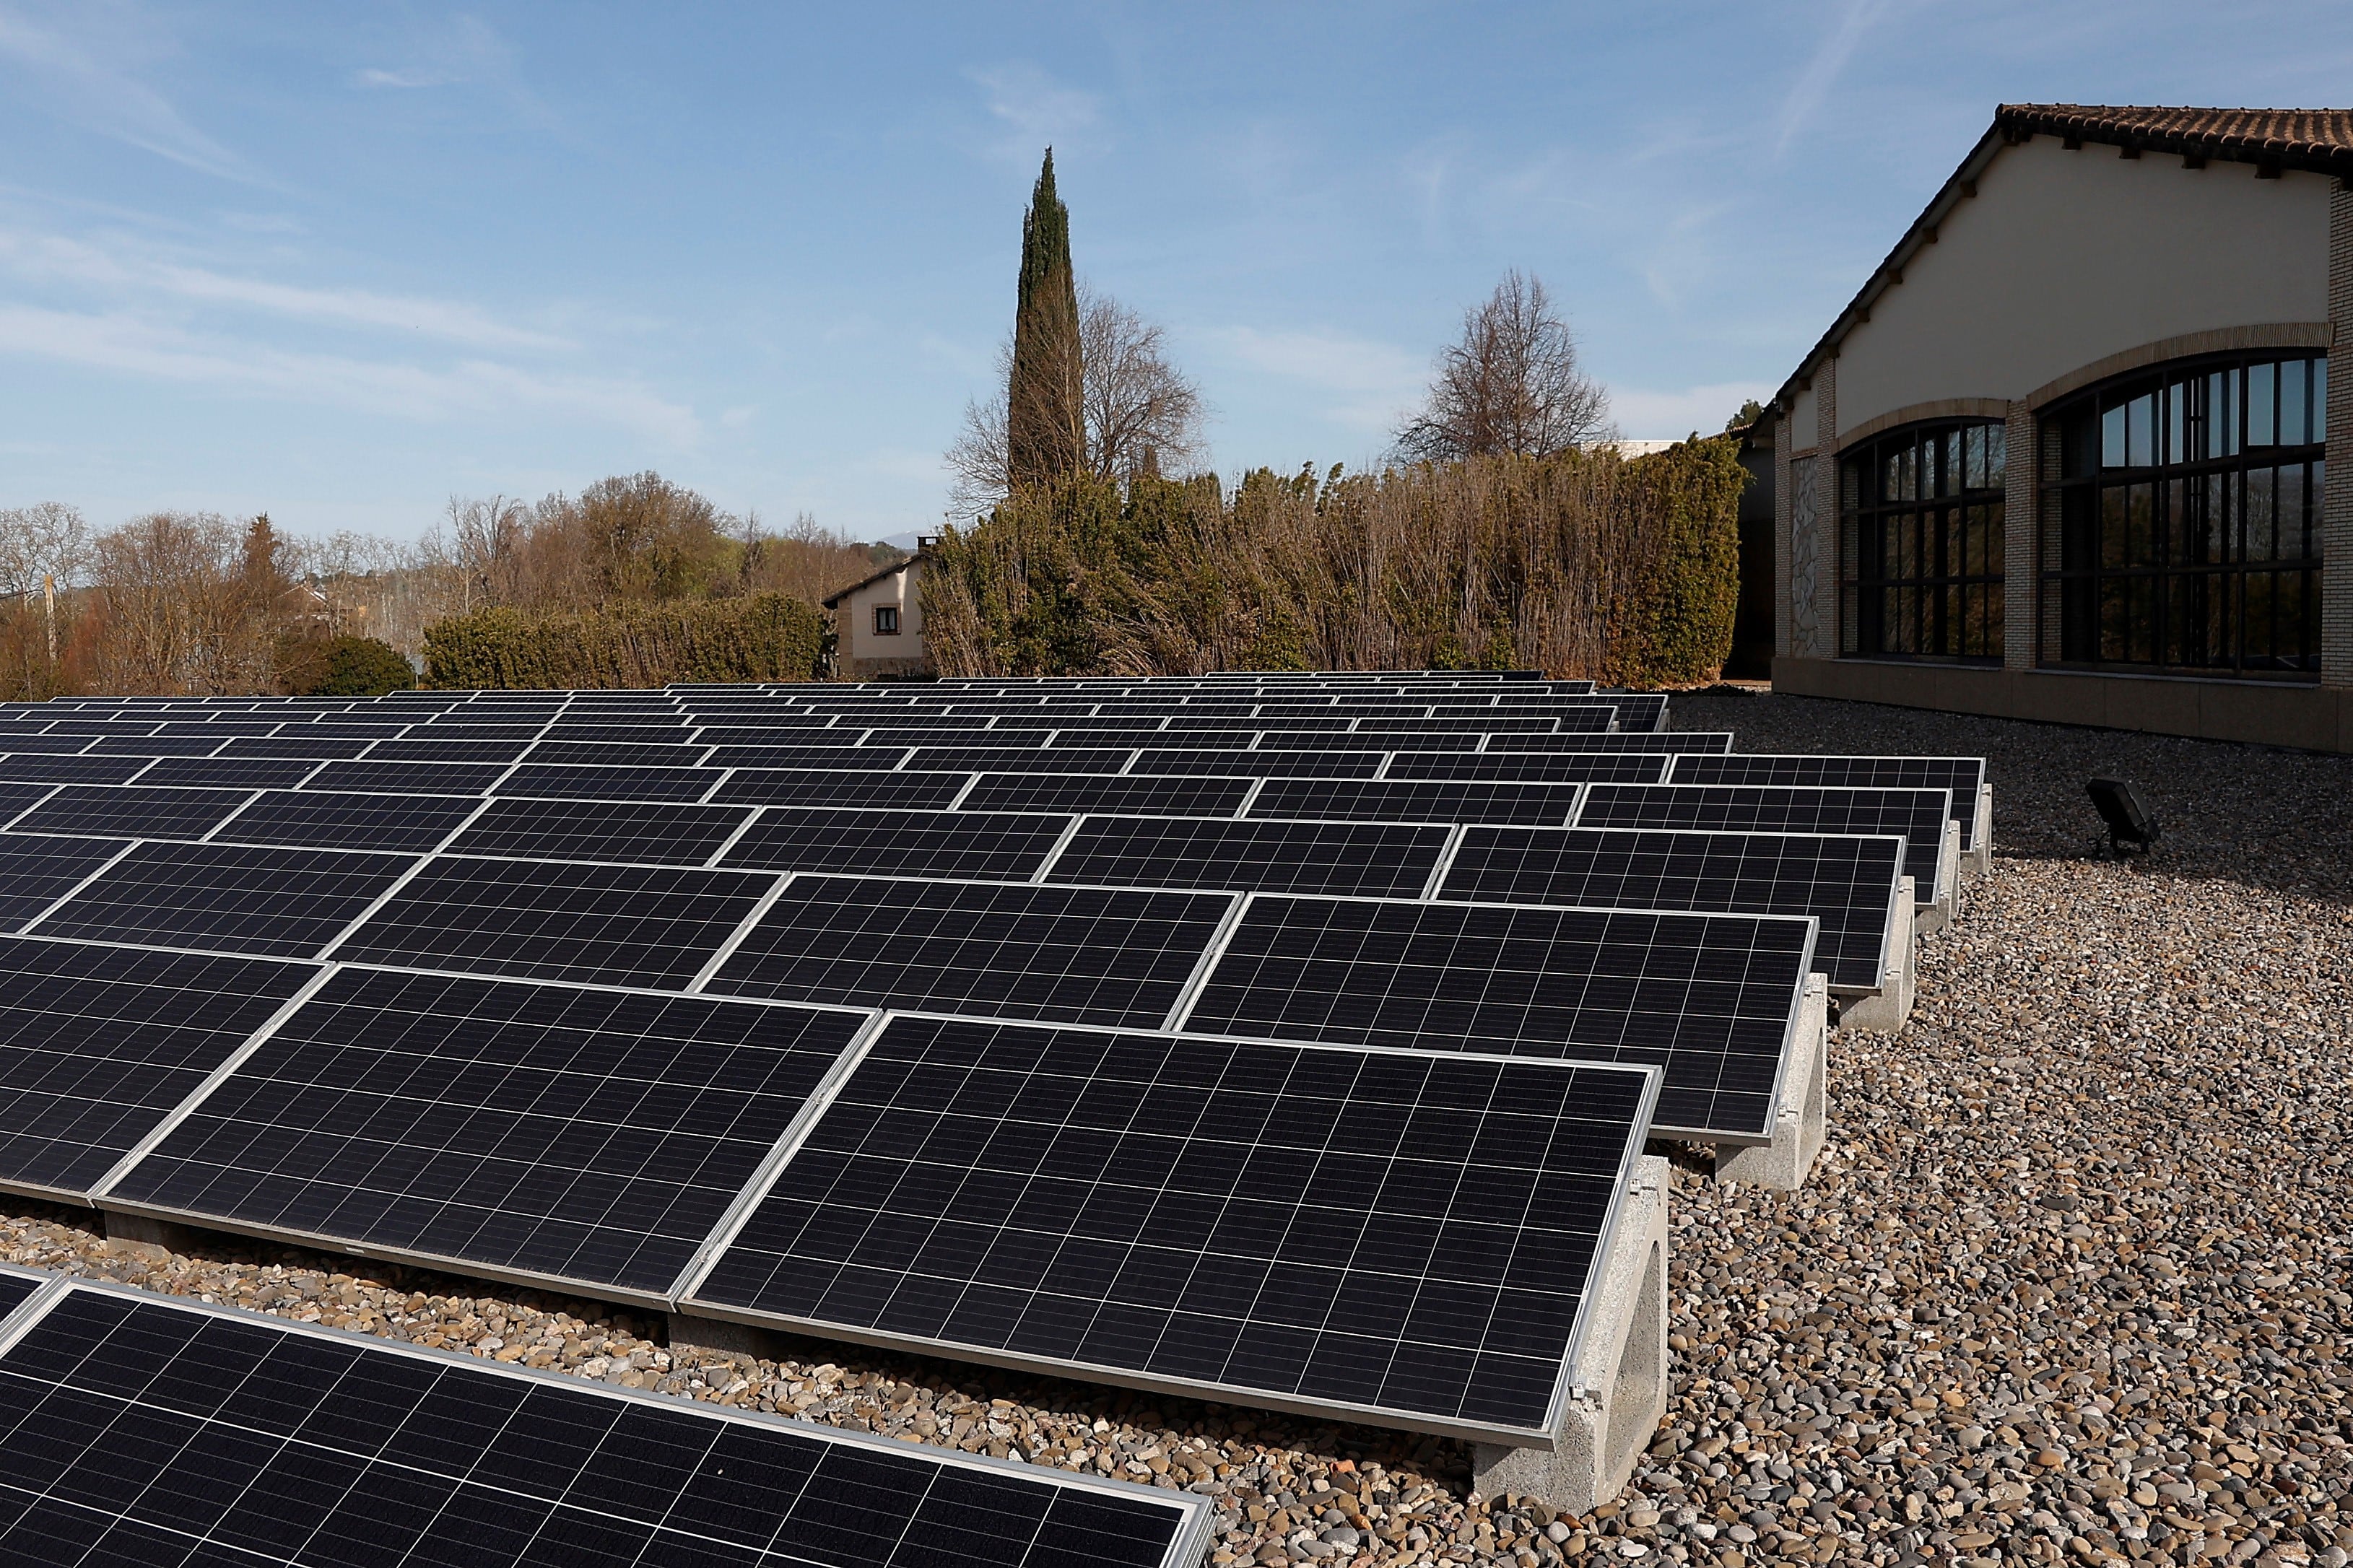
<point x="2062" y="456"/>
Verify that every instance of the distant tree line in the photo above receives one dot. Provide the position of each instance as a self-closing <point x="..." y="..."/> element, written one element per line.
<point x="197" y="603"/>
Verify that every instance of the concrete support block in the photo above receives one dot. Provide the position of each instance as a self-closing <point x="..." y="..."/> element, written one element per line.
<point x="1980" y="856"/>
<point x="1937" y="915"/>
<point x="718" y="1337"/>
<point x="151" y="1241"/>
<point x="1888" y="1009"/>
<point x="1618" y="1388"/>
<point x="1802" y="1123"/>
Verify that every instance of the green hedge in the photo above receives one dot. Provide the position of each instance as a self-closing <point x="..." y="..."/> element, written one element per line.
<point x="767" y="636"/>
<point x="342" y="666"/>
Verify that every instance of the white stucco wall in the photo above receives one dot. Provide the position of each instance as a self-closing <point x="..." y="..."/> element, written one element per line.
<point x="857" y="613"/>
<point x="2065" y="258"/>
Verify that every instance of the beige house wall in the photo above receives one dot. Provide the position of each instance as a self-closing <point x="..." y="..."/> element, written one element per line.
<point x="2065" y="259"/>
<point x="860" y="651"/>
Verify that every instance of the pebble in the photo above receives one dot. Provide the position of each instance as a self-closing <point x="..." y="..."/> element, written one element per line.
<point x="2068" y="1285"/>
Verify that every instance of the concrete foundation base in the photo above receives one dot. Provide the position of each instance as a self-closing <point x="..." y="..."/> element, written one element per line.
<point x="1888" y="1009"/>
<point x="1617" y="1390"/>
<point x="149" y="1240"/>
<point x="1937" y="915"/>
<point x="1980" y="859"/>
<point x="1803" y="1123"/>
<point x="717" y="1336"/>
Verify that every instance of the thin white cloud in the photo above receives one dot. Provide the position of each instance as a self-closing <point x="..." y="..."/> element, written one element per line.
<point x="1652" y="415"/>
<point x="59" y="259"/>
<point x="1038" y="111"/>
<point x="1830" y="57"/>
<point x="402" y="78"/>
<point x="1375" y="381"/>
<point x="104" y="96"/>
<point x="132" y="345"/>
<point x="468" y="53"/>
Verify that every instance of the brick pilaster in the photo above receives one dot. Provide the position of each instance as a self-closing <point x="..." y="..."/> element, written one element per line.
<point x="2336" y="514"/>
<point x="2021" y="565"/>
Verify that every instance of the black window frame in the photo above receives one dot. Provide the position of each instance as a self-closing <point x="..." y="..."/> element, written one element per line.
<point x="1922" y="514"/>
<point x="886" y="613"/>
<point x="2135" y="573"/>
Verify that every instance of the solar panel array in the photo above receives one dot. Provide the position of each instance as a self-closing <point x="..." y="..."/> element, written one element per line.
<point x="1280" y="1039"/>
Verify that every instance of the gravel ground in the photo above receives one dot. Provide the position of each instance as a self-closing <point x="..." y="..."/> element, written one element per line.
<point x="2069" y="1282"/>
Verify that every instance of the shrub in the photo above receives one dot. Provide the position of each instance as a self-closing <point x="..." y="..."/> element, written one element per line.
<point x="766" y="637"/>
<point x="342" y="666"/>
<point x="1582" y="564"/>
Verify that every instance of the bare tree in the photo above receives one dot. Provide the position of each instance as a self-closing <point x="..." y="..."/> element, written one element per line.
<point x="1143" y="414"/>
<point x="486" y="538"/>
<point x="1510" y="384"/>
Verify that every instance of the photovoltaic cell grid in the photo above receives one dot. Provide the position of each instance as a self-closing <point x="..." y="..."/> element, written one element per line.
<point x="628" y="925"/>
<point x="15" y="1290"/>
<point x="1406" y="1236"/>
<point x="228" y="897"/>
<point x="906" y="843"/>
<point x="810" y="786"/>
<point x="648" y="832"/>
<point x="1710" y="999"/>
<point x="1845" y="882"/>
<point x="1533" y="767"/>
<point x="329" y="820"/>
<point x="1918" y="815"/>
<point x="1085" y="955"/>
<point x="36" y="870"/>
<point x="1375" y="859"/>
<point x="99" y="1044"/>
<point x="1130" y="794"/>
<point x="165" y="1433"/>
<point x="129" y="811"/>
<point x="1965" y="777"/>
<point x="1419" y="800"/>
<point x="584" y="1134"/>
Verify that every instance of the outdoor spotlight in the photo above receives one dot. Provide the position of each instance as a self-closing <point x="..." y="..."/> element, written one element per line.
<point x="2130" y="823"/>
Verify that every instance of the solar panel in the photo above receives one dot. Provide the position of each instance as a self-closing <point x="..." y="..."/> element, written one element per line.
<point x="131" y="811"/>
<point x="603" y="754"/>
<point x="228" y="773"/>
<point x="521" y="1129"/>
<point x="1846" y="883"/>
<point x="627" y="925"/>
<point x="467" y="730"/>
<point x="1390" y="859"/>
<point x="649" y="832"/>
<point x="1918" y="815"/>
<point x="24" y="740"/>
<point x="1964" y="776"/>
<point x="369" y="776"/>
<point x="1418" y="800"/>
<point x="1005" y="759"/>
<point x="1404" y="1238"/>
<point x="1286" y="739"/>
<point x="70" y="770"/>
<point x="415" y="748"/>
<point x="228" y="897"/>
<point x="1357" y="765"/>
<point x="1659" y="741"/>
<point x="36" y="869"/>
<point x="616" y="734"/>
<point x="320" y="817"/>
<point x="157" y="746"/>
<point x="1533" y="767"/>
<point x="806" y="786"/>
<point x="16" y="1288"/>
<point x="152" y="1431"/>
<point x="906" y="843"/>
<point x="1090" y="955"/>
<point x="834" y="756"/>
<point x="1125" y="795"/>
<point x="99" y="1044"/>
<point x="16" y="799"/>
<point x="316" y="748"/>
<point x="1711" y="999"/>
<point x="561" y="782"/>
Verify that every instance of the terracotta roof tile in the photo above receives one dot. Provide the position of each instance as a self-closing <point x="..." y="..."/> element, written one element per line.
<point x="2319" y="139"/>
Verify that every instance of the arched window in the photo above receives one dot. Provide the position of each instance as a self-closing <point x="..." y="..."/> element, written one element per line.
<point x="2181" y="518"/>
<point x="1920" y="543"/>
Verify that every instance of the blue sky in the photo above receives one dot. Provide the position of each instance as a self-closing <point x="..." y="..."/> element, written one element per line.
<point x="339" y="263"/>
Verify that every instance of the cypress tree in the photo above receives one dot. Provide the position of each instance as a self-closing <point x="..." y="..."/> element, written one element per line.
<point x="1045" y="426"/>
